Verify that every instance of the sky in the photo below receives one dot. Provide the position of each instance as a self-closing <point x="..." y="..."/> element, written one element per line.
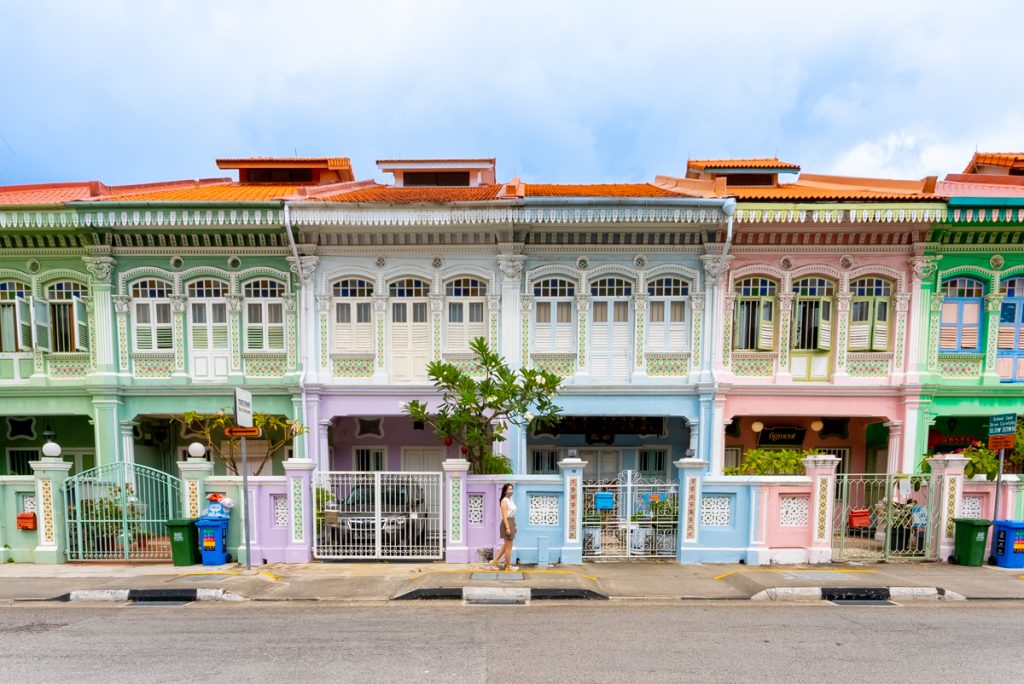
<point x="129" y="91"/>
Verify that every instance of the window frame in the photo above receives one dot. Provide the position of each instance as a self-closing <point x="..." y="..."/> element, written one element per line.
<point x="150" y="302"/>
<point x="459" y="334"/>
<point x="666" y="301"/>
<point x="877" y="338"/>
<point x="565" y="293"/>
<point x="356" y="295"/>
<point x="66" y="304"/>
<point x="961" y="302"/>
<point x="265" y="326"/>
<point x="823" y="333"/>
<point x="377" y="454"/>
<point x="17" y="295"/>
<point x="1012" y="291"/>
<point x="758" y="298"/>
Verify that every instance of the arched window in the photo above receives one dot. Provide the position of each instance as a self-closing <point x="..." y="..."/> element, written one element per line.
<point x="467" y="313"/>
<point x="554" y="325"/>
<point x="870" y="313"/>
<point x="611" y="329"/>
<point x="960" y="325"/>
<point x="15" y="317"/>
<point x="755" y="314"/>
<point x="151" y="307"/>
<point x="68" y="320"/>
<point x="208" y="325"/>
<point x="264" y="315"/>
<point x="812" y="316"/>
<point x="1010" y="359"/>
<point x="410" y="343"/>
<point x="668" y="322"/>
<point x="353" y="316"/>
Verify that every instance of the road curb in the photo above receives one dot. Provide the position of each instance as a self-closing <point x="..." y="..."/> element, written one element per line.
<point x="856" y="594"/>
<point x="152" y="595"/>
<point x="532" y="594"/>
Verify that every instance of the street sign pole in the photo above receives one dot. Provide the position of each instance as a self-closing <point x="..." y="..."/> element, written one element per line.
<point x="1002" y="433"/>
<point x="245" y="506"/>
<point x="243" y="418"/>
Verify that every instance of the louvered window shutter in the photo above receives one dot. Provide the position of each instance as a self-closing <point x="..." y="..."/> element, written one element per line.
<point x="860" y="325"/>
<point x="766" y="324"/>
<point x="24" y="310"/>
<point x="543" y="334"/>
<point x="825" y="325"/>
<point x="275" y="326"/>
<point x="254" y="327"/>
<point x="41" y="324"/>
<point x="880" y="334"/>
<point x="81" y="325"/>
<point x="970" y="325"/>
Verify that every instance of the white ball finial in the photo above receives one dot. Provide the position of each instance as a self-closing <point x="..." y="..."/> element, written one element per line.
<point x="52" y="450"/>
<point x="196" y="450"/>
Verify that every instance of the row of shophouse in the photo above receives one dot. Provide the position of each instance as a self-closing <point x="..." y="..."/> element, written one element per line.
<point x="738" y="303"/>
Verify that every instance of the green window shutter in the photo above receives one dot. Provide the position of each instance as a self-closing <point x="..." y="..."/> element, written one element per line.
<point x="860" y="325"/>
<point x="254" y="337"/>
<point x="143" y="338"/>
<point x="880" y="334"/>
<point x="24" y="309"/>
<point x="200" y="337"/>
<point x="164" y="337"/>
<point x="81" y="325"/>
<point x="766" y="324"/>
<point x="41" y="324"/>
<point x="275" y="337"/>
<point x="825" y="325"/>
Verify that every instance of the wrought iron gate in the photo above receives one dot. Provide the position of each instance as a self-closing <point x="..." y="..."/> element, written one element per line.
<point x="393" y="515"/>
<point x="885" y="517"/>
<point x="630" y="517"/>
<point x="119" y="511"/>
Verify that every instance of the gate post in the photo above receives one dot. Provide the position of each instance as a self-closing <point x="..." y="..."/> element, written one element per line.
<point x="455" y="549"/>
<point x="691" y="478"/>
<point x="51" y="473"/>
<point x="572" y="483"/>
<point x="822" y="471"/>
<point x="299" y="472"/>
<point x="948" y="476"/>
<point x="194" y="472"/>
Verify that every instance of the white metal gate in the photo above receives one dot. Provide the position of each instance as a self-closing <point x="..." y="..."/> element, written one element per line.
<point x="386" y="515"/>
<point x="119" y="511"/>
<point x="885" y="517"/>
<point x="630" y="517"/>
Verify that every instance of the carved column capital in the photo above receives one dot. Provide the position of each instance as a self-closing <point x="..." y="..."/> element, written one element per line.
<point x="843" y="302"/>
<point x="922" y="267"/>
<point x="380" y="304"/>
<point x="306" y="267"/>
<point x="234" y="303"/>
<point x="993" y="302"/>
<point x="178" y="303"/>
<point x="511" y="266"/>
<point x="936" y="303"/>
<point x="583" y="302"/>
<point x="323" y="303"/>
<point x="121" y="303"/>
<point x="697" y="301"/>
<point x="640" y="302"/>
<point x="100" y="268"/>
<point x="903" y="302"/>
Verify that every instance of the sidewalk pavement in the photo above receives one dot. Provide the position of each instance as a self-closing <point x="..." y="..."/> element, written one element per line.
<point x="630" y="580"/>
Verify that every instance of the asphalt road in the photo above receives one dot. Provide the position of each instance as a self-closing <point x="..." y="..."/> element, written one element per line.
<point x="444" y="642"/>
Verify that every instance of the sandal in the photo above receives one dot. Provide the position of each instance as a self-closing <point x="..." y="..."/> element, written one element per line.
<point x="511" y="568"/>
<point x="493" y="566"/>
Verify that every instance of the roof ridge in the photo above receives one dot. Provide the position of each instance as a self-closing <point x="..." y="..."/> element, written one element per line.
<point x="332" y="189"/>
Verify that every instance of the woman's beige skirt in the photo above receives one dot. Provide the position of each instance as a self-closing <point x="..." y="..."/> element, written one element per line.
<point x="508" y="536"/>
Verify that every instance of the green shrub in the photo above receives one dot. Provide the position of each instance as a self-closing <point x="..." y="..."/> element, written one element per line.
<point x="770" y="462"/>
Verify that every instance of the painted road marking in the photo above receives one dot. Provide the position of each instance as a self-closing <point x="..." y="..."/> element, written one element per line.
<point x="784" y="571"/>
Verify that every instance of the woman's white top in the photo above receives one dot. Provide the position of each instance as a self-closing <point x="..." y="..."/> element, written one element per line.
<point x="510" y="507"/>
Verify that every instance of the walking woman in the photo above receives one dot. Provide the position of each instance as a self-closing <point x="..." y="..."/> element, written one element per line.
<point x="506" y="529"/>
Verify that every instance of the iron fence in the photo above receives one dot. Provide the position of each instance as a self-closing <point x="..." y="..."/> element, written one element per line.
<point x="885" y="517"/>
<point x="630" y="517"/>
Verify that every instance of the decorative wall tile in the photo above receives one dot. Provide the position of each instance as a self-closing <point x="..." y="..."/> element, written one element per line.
<point x="193" y="498"/>
<point x="559" y="364"/>
<point x="574" y="507"/>
<point x="475" y="509"/>
<point x="258" y="365"/>
<point x="543" y="509"/>
<point x="753" y="364"/>
<point x="868" y="365"/>
<point x="455" y="515"/>
<point x="961" y="365"/>
<point x="466" y="363"/>
<point x="352" y="365"/>
<point x="28" y="503"/>
<point x="153" y="365"/>
<point x="298" y="503"/>
<point x="794" y="511"/>
<point x="716" y="511"/>
<point x="64" y="366"/>
<point x="667" y="365"/>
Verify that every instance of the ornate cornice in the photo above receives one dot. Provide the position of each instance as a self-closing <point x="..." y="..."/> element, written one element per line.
<point x="100" y="268"/>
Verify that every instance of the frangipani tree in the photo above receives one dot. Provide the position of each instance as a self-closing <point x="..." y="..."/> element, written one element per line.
<point x="277" y="432"/>
<point x="476" y="412"/>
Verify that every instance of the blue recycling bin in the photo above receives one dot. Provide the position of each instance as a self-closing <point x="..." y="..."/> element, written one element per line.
<point x="1008" y="543"/>
<point x="213" y="540"/>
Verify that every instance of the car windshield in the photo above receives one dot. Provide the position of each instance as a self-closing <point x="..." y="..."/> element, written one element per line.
<point x="390" y="496"/>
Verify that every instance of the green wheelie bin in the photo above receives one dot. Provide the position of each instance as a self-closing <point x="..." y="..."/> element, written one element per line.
<point x="969" y="541"/>
<point x="184" y="541"/>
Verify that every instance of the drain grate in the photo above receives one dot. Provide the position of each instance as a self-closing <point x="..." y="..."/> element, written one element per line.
<point x="862" y="602"/>
<point x="150" y="604"/>
<point x="495" y="602"/>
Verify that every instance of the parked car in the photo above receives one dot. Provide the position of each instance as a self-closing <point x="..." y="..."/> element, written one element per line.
<point x="402" y="520"/>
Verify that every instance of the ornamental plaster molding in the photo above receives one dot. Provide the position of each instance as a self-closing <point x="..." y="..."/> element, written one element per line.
<point x="323" y="303"/>
<point x="988" y="275"/>
<point x="614" y="270"/>
<point x="458" y="271"/>
<point x="583" y="302"/>
<point x="100" y="268"/>
<point x="343" y="272"/>
<point x="993" y="302"/>
<point x="923" y="268"/>
<point x="290" y="303"/>
<point x="526" y="301"/>
<point x="305" y="268"/>
<point x="697" y="301"/>
<point x="936" y="302"/>
<point x="234" y="303"/>
<point x="758" y="270"/>
<point x="493" y="302"/>
<point x="47" y="277"/>
<point x="264" y="272"/>
<point x="410" y="272"/>
<point x="380" y="304"/>
<point x="208" y="272"/>
<point x="121" y="303"/>
<point x="843" y="300"/>
<point x="897" y="276"/>
<point x="128" y="277"/>
<point x="903" y="302"/>
<point x="511" y="266"/>
<point x="817" y="270"/>
<point x="559" y="270"/>
<point x="178" y="302"/>
<point x="13" y="274"/>
<point x="437" y="303"/>
<point x="640" y="302"/>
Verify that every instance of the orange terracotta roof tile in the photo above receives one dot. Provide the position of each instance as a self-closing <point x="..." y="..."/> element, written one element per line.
<point x="222" y="192"/>
<point x="455" y="160"/>
<point x="794" y="192"/>
<point x="284" y="162"/>
<point x="597" y="190"/>
<point x="48" y="193"/>
<point x="766" y="163"/>
<point x="392" y="195"/>
<point x="1004" y="159"/>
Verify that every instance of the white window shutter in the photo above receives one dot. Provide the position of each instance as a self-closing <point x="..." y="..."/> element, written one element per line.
<point x="41" y="324"/>
<point x="563" y="341"/>
<point x="81" y="325"/>
<point x="362" y="337"/>
<point x="24" y="313"/>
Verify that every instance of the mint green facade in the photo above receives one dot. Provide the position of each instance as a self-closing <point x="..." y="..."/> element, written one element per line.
<point x="982" y="241"/>
<point x="106" y="367"/>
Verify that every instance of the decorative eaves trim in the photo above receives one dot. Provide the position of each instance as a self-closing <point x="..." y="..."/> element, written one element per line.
<point x="451" y="215"/>
<point x="134" y="218"/>
<point x="805" y="214"/>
